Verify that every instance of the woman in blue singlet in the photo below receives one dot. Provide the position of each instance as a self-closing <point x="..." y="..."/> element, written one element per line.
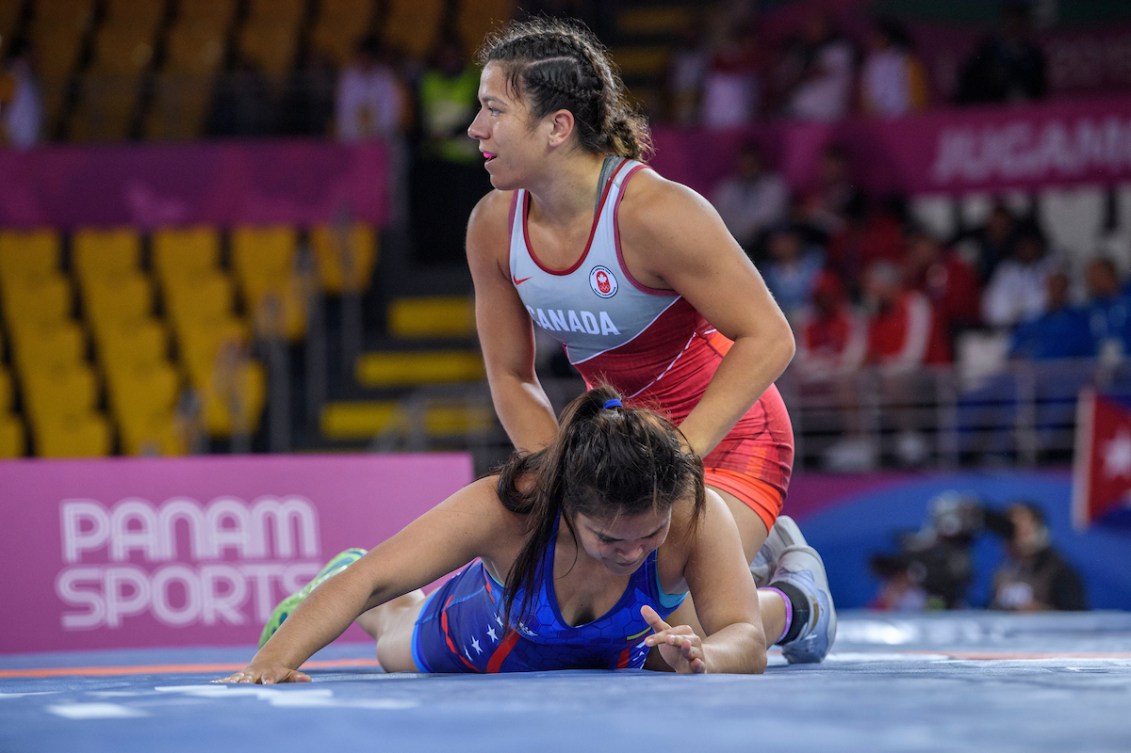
<point x="577" y="554"/>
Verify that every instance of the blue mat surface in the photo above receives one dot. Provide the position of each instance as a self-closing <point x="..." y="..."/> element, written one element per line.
<point x="937" y="682"/>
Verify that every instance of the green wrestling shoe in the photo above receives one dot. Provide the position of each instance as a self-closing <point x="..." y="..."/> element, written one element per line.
<point x="283" y="610"/>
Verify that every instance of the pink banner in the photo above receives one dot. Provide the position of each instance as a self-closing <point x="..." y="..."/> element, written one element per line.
<point x="215" y="183"/>
<point x="944" y="151"/>
<point x="126" y="553"/>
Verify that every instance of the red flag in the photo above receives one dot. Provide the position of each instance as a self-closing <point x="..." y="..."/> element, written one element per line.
<point x="1102" y="478"/>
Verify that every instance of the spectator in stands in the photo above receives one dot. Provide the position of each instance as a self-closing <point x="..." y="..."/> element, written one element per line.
<point x="1108" y="310"/>
<point x="243" y="104"/>
<point x="21" y="107"/>
<point x="904" y="336"/>
<point x="308" y="105"/>
<point x="947" y="280"/>
<point x="1035" y="577"/>
<point x="870" y="231"/>
<point x="791" y="269"/>
<point x="752" y="198"/>
<point x="834" y="195"/>
<point x="1008" y="66"/>
<point x="1017" y="289"/>
<point x="370" y="99"/>
<point x="732" y="79"/>
<point x="893" y="80"/>
<point x="1058" y="341"/>
<point x="686" y="72"/>
<point x="992" y="241"/>
<point x="447" y="176"/>
<point x="831" y="344"/>
<point x="823" y="65"/>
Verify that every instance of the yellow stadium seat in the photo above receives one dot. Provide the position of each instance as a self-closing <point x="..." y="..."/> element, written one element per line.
<point x="133" y="344"/>
<point x="49" y="345"/>
<point x="185" y="251"/>
<point x="12" y="441"/>
<point x="344" y="256"/>
<point x="142" y="387"/>
<point x="76" y="14"/>
<point x="196" y="48"/>
<point x="28" y="252"/>
<point x="412" y="26"/>
<point x="432" y="316"/>
<point x="233" y="401"/>
<point x="287" y="12"/>
<point x="7" y="391"/>
<point x="122" y="49"/>
<point x="73" y="435"/>
<point x="270" y="47"/>
<point x="58" y="48"/>
<point x="130" y="13"/>
<point x="263" y="259"/>
<point x="117" y="301"/>
<point x="97" y="252"/>
<point x="218" y="14"/>
<point x="202" y="296"/>
<point x="179" y="106"/>
<point x="476" y="18"/>
<point x="35" y="301"/>
<point x="204" y="345"/>
<point x="57" y="391"/>
<point x="158" y="434"/>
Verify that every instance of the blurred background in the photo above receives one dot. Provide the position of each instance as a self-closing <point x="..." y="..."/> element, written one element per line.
<point x="236" y="226"/>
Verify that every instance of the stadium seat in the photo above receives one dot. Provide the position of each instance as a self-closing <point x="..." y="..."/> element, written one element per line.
<point x="184" y="251"/>
<point x="143" y="400"/>
<point x="28" y="252"/>
<point x="233" y="403"/>
<point x="201" y="296"/>
<point x="344" y="257"/>
<point x="35" y="301"/>
<point x="155" y="434"/>
<point x="268" y="12"/>
<point x="120" y="301"/>
<point x="476" y="18"/>
<point x="1073" y="218"/>
<point x="137" y="343"/>
<point x="60" y="390"/>
<point x="106" y="107"/>
<point x="204" y="344"/>
<point x="73" y="435"/>
<point x="270" y="47"/>
<point x="102" y="253"/>
<point x="7" y="391"/>
<point x="193" y="47"/>
<point x="264" y="261"/>
<point x="412" y="26"/>
<point x="71" y="14"/>
<point x="179" y="107"/>
<point x="48" y="345"/>
<point x="432" y="316"/>
<point x="146" y="16"/>
<point x="339" y="25"/>
<point x="122" y="49"/>
<point x="217" y="14"/>
<point x="12" y="442"/>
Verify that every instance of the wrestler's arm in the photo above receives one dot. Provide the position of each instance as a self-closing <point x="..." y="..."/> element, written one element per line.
<point x="726" y="602"/>
<point x="471" y="523"/>
<point x="506" y="333"/>
<point x="672" y="237"/>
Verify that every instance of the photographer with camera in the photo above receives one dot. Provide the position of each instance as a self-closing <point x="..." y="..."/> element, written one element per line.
<point x="1035" y="577"/>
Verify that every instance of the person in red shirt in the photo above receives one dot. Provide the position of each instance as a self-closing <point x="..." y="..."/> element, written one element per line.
<point x="948" y="281"/>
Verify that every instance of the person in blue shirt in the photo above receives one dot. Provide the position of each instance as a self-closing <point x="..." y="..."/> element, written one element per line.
<point x="579" y="552"/>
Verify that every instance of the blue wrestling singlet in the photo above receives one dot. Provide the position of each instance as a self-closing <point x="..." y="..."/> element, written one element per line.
<point x="460" y="628"/>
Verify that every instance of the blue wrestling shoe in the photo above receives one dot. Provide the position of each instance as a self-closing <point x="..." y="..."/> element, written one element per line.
<point x="783" y="535"/>
<point x="802" y="568"/>
<point x="339" y="563"/>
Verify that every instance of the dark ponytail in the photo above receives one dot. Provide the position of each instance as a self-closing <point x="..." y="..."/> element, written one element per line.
<point x="562" y="66"/>
<point x="607" y="460"/>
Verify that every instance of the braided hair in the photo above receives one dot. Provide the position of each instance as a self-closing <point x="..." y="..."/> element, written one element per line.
<point x="606" y="462"/>
<point x="558" y="65"/>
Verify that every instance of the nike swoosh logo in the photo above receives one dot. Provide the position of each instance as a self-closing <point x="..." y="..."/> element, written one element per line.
<point x="518" y="281"/>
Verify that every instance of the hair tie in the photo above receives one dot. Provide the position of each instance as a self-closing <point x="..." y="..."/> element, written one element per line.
<point x="612" y="403"/>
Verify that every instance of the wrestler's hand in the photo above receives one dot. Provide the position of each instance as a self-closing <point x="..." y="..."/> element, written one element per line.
<point x="680" y="646"/>
<point x="258" y="673"/>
